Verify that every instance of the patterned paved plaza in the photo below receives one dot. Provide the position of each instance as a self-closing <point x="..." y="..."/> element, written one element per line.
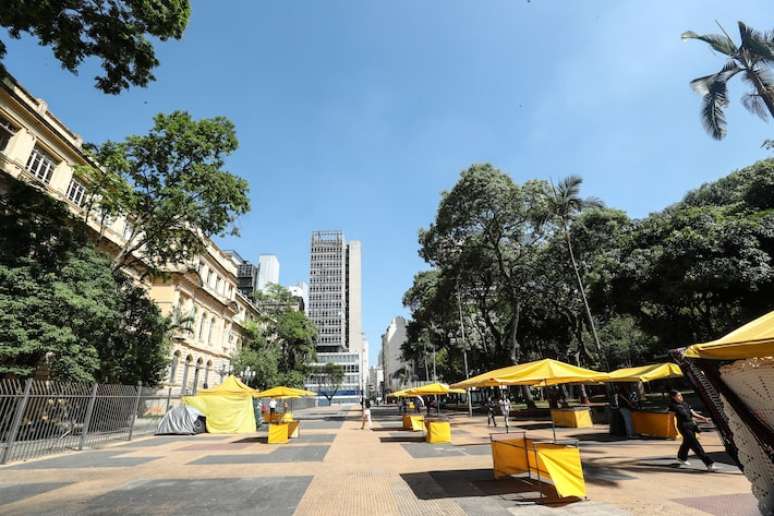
<point x="335" y="468"/>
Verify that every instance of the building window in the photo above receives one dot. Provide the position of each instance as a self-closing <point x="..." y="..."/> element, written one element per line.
<point x="41" y="165"/>
<point x="201" y="327"/>
<point x="128" y="230"/>
<point x="7" y="130"/>
<point x="209" y="333"/>
<point x="76" y="192"/>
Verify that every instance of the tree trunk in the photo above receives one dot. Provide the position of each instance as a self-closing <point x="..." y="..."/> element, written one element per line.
<point x="766" y="94"/>
<point x="528" y="399"/>
<point x="584" y="397"/>
<point x="583" y="295"/>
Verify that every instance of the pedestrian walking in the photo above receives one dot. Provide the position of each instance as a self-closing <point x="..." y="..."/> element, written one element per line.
<point x="625" y="407"/>
<point x="366" y="414"/>
<point x="491" y="405"/>
<point x="688" y="428"/>
<point x="272" y="409"/>
<point x="505" y="410"/>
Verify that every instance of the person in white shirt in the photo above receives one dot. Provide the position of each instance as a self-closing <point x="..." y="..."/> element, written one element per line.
<point x="272" y="409"/>
<point x="366" y="415"/>
<point x="505" y="409"/>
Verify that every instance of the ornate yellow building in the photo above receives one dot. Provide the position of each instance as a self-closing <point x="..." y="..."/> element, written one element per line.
<point x="38" y="148"/>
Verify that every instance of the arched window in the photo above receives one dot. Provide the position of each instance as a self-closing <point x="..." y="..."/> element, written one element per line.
<point x="173" y="367"/>
<point x="209" y="333"/>
<point x="201" y="326"/>
<point x="207" y="373"/>
<point x="188" y="363"/>
<point x="197" y="371"/>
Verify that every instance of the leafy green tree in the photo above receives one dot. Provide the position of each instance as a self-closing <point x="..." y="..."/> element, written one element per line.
<point x="175" y="194"/>
<point x="62" y="308"/>
<point x="296" y="335"/>
<point x="261" y="356"/>
<point x="114" y="31"/>
<point x="751" y="58"/>
<point x="329" y="377"/>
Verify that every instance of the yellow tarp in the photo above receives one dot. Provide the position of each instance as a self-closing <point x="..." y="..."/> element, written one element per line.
<point x="284" y="392"/>
<point x="558" y="462"/>
<point x="230" y="414"/>
<point x="572" y="418"/>
<point x="413" y="423"/>
<point x="646" y="373"/>
<point x="438" y="432"/>
<point x="228" y="407"/>
<point x="754" y="339"/>
<point x="540" y="372"/>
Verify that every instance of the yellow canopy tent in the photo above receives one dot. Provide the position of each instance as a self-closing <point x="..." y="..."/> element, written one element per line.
<point x="540" y="372"/>
<point x="646" y="373"/>
<point x="228" y="407"/>
<point x="431" y="389"/>
<point x="754" y="339"/>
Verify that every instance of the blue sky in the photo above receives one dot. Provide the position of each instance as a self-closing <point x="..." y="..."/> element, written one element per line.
<point x="356" y="114"/>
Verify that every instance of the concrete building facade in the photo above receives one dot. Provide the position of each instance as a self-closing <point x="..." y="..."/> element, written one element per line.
<point x="392" y="363"/>
<point x="37" y="148"/>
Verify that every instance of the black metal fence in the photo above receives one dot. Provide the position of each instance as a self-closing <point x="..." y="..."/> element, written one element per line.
<point x="39" y="418"/>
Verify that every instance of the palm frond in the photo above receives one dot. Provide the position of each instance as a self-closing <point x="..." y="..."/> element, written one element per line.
<point x="722" y="44"/>
<point x="756" y="42"/>
<point x="593" y="202"/>
<point x="754" y="104"/>
<point x="712" y="116"/>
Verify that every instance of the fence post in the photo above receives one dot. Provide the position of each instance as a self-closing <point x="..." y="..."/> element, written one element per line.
<point x="87" y="419"/>
<point x="136" y="406"/>
<point x="17" y="417"/>
<point x="169" y="399"/>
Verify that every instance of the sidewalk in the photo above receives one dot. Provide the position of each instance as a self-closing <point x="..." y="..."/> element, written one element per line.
<point x="335" y="468"/>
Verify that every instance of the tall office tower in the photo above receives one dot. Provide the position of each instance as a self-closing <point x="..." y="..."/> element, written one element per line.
<point x="268" y="271"/>
<point x="335" y="307"/>
<point x="247" y="273"/>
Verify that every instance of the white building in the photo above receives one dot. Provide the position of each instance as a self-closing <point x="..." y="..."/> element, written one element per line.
<point x="375" y="387"/>
<point x="392" y="363"/>
<point x="268" y="271"/>
<point x="301" y="289"/>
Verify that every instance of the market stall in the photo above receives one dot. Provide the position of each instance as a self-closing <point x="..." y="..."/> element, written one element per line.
<point x="282" y="425"/>
<point x="228" y="407"/>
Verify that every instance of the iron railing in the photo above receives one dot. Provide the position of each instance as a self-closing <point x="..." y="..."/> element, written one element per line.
<point x="39" y="417"/>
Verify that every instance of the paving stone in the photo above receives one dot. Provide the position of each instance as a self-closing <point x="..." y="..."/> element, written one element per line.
<point x="427" y="451"/>
<point x="275" y="496"/>
<point x="10" y="493"/>
<point x="312" y="453"/>
<point x="100" y="459"/>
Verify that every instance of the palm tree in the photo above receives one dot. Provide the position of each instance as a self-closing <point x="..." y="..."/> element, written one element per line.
<point x="565" y="204"/>
<point x="752" y="59"/>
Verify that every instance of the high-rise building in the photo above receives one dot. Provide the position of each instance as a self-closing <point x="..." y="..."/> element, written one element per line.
<point x="247" y="274"/>
<point x="268" y="271"/>
<point x="335" y="307"/>
<point x="392" y="362"/>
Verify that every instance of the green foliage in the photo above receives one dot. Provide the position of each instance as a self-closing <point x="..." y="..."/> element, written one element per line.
<point x="329" y="377"/>
<point x="750" y="60"/>
<point x="687" y="274"/>
<point x="61" y="306"/>
<point x="171" y="186"/>
<point x="114" y="31"/>
<point x="281" y="347"/>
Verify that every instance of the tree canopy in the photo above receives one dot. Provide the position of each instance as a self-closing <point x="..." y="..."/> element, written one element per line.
<point x="62" y="308"/>
<point x="114" y="31"/>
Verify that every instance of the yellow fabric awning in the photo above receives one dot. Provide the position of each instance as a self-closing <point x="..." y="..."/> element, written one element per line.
<point x="540" y="372"/>
<point x="754" y="339"/>
<point x="231" y="386"/>
<point x="430" y="389"/>
<point x="646" y="373"/>
<point x="284" y="392"/>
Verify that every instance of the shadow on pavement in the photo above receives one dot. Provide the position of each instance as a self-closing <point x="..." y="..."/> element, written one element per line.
<point x="407" y="439"/>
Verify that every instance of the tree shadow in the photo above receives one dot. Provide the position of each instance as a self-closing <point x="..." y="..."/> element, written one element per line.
<point x="403" y="439"/>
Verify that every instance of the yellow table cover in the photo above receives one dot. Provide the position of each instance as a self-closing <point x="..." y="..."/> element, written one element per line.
<point x="558" y="462"/>
<point x="655" y="424"/>
<point x="572" y="418"/>
<point x="278" y="433"/>
<point x="438" y="432"/>
<point x="754" y="339"/>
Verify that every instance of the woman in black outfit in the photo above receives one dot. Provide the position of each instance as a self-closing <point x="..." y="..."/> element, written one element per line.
<point x="688" y="428"/>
